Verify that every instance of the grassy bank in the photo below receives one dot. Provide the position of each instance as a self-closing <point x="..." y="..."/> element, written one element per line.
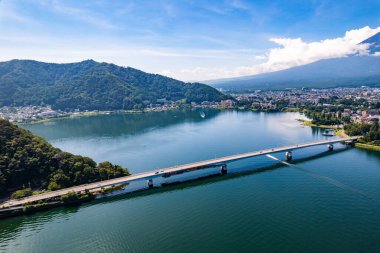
<point x="308" y="123"/>
<point x="342" y="134"/>
<point x="367" y="146"/>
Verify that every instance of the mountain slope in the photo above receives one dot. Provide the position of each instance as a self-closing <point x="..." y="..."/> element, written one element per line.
<point x="346" y="71"/>
<point x="27" y="160"/>
<point x="375" y="43"/>
<point x="91" y="85"/>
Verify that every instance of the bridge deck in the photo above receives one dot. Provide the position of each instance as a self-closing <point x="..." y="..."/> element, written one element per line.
<point x="166" y="171"/>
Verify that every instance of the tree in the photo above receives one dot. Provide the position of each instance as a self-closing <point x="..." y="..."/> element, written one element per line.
<point x="28" y="160"/>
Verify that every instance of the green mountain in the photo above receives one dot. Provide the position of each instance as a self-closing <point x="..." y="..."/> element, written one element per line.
<point x="92" y="85"/>
<point x="27" y="160"/>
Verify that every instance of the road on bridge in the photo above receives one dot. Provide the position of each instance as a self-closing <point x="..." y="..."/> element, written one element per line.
<point x="166" y="171"/>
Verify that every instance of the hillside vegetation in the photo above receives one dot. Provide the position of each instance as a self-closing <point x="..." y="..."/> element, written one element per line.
<point x="28" y="161"/>
<point x="90" y="85"/>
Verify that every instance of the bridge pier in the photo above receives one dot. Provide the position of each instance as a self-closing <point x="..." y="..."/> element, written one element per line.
<point x="150" y="183"/>
<point x="288" y="155"/>
<point x="223" y="169"/>
<point x="350" y="143"/>
<point x="330" y="147"/>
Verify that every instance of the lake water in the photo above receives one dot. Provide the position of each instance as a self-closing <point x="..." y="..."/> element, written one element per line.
<point x="324" y="202"/>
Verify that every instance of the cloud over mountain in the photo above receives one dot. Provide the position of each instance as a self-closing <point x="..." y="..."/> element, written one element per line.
<point x="295" y="52"/>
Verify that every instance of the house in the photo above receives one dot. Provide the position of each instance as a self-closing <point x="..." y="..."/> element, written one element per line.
<point x="227" y="102"/>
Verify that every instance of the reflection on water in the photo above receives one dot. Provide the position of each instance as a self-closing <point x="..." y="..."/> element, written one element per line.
<point x="150" y="141"/>
<point x="11" y="228"/>
<point x="256" y="207"/>
<point x="114" y="125"/>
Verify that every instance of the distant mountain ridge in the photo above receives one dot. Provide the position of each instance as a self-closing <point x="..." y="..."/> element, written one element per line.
<point x="374" y="42"/>
<point x="90" y="85"/>
<point x="351" y="71"/>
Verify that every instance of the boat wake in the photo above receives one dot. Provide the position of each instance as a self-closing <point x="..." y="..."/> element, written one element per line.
<point x="323" y="178"/>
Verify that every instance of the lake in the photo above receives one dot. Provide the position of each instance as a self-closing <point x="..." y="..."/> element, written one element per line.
<point x="322" y="202"/>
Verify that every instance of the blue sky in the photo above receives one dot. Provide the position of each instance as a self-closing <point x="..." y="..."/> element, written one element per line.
<point x="185" y="39"/>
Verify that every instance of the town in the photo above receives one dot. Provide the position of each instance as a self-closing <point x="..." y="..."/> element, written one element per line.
<point x="26" y="114"/>
<point x="359" y="105"/>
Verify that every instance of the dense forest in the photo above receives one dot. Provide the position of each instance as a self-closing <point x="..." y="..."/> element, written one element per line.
<point x="28" y="161"/>
<point x="91" y="85"/>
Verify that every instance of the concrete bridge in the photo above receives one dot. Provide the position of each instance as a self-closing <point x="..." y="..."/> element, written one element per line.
<point x="175" y="170"/>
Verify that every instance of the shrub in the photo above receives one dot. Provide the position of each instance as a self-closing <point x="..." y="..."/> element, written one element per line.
<point x="22" y="193"/>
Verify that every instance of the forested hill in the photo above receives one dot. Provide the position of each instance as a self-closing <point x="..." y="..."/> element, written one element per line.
<point x="27" y="161"/>
<point x="92" y="85"/>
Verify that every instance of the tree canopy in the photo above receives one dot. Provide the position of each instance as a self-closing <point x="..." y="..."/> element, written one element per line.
<point x="28" y="161"/>
<point x="91" y="85"/>
<point x="370" y="132"/>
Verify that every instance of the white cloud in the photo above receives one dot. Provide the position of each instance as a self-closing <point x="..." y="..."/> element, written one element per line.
<point x="295" y="52"/>
<point x="80" y="14"/>
<point x="292" y="52"/>
<point x="178" y="62"/>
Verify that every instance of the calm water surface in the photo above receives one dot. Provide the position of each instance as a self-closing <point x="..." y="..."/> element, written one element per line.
<point x="326" y="202"/>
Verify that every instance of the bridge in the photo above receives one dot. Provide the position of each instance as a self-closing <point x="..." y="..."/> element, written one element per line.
<point x="175" y="170"/>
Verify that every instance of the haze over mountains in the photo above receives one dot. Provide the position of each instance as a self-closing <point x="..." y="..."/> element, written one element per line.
<point x="91" y="85"/>
<point x="351" y="71"/>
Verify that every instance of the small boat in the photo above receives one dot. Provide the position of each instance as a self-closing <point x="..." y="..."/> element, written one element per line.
<point x="203" y="115"/>
<point x="328" y="133"/>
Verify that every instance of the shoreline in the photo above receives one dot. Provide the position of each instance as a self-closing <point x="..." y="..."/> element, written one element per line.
<point x="90" y="114"/>
<point x="305" y="122"/>
<point x="38" y="206"/>
<point x="342" y="134"/>
<point x="146" y="110"/>
<point x="77" y="115"/>
<point x="367" y="146"/>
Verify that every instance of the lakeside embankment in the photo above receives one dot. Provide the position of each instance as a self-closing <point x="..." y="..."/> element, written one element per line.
<point x="97" y="113"/>
<point x="77" y="115"/>
<point x="367" y="146"/>
<point x="341" y="133"/>
<point x="70" y="199"/>
<point x="306" y="122"/>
